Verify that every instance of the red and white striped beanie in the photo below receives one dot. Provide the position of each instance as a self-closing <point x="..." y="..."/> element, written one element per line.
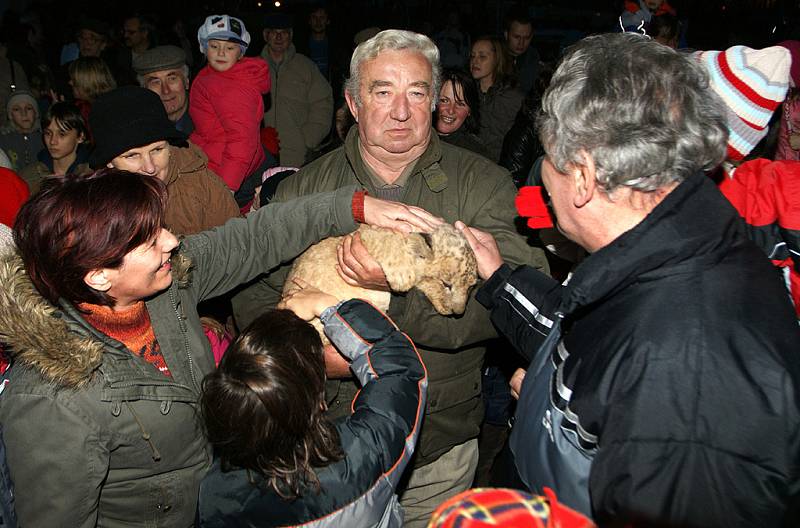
<point x="752" y="83"/>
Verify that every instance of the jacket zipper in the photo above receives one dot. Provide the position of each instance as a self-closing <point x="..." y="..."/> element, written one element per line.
<point x="182" y="325"/>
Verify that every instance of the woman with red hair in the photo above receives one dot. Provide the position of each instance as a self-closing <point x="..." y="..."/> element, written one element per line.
<point x="99" y="407"/>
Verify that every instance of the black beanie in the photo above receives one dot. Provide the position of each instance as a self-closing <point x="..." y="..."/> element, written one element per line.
<point x="126" y="118"/>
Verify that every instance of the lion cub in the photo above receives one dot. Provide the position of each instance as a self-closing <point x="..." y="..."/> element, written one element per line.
<point x="440" y="264"/>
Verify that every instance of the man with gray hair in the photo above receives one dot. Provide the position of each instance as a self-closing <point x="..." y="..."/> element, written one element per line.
<point x="393" y="152"/>
<point x="163" y="70"/>
<point x="663" y="385"/>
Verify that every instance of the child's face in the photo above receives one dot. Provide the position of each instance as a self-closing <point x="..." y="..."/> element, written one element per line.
<point x="222" y="54"/>
<point x="60" y="143"/>
<point x="23" y="115"/>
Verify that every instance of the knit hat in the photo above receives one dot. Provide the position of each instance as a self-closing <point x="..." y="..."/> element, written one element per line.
<point x="223" y="27"/>
<point x="126" y="118"/>
<point x="18" y="96"/>
<point x="794" y="50"/>
<point x="159" y="58"/>
<point x="751" y="83"/>
<point x="485" y="507"/>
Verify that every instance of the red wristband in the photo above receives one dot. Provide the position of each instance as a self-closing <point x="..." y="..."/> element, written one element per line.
<point x="357" y="206"/>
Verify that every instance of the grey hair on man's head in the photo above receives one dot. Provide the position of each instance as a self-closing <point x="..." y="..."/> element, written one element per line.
<point x="644" y="113"/>
<point x="394" y="40"/>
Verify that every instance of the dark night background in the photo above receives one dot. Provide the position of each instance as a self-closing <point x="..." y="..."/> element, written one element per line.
<point x="709" y="24"/>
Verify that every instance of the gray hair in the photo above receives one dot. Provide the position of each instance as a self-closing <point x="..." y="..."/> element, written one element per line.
<point x="184" y="70"/>
<point x="644" y="113"/>
<point x="394" y="40"/>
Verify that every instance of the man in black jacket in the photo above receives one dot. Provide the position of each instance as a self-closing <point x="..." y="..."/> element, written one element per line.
<point x="663" y="383"/>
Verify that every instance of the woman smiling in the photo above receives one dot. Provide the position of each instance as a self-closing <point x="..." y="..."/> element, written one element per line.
<point x="99" y="408"/>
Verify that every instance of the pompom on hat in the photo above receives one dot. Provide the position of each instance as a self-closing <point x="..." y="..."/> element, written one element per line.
<point x="223" y="27"/>
<point x="752" y="84"/>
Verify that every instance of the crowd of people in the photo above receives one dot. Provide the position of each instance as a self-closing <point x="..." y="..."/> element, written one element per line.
<point x="629" y="356"/>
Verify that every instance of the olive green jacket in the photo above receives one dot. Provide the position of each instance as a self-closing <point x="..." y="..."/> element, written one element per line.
<point x="457" y="185"/>
<point x="95" y="435"/>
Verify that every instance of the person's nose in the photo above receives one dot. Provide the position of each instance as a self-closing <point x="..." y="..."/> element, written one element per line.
<point x="400" y="108"/>
<point x="165" y="88"/>
<point x="168" y="241"/>
<point x="52" y="140"/>
<point x="446" y="108"/>
<point x="148" y="167"/>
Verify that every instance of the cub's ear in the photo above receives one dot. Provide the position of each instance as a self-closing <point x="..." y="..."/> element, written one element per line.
<point x="428" y="238"/>
<point x="423" y="245"/>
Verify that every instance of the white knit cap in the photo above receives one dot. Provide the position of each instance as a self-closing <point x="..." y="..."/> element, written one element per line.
<point x="751" y="83"/>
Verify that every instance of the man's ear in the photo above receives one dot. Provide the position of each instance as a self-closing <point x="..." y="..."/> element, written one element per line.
<point x="584" y="181"/>
<point x="351" y="104"/>
<point x="264" y="34"/>
<point x="98" y="279"/>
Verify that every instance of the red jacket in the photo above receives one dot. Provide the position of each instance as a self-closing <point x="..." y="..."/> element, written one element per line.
<point x="227" y="109"/>
<point x="767" y="195"/>
<point x="632" y="6"/>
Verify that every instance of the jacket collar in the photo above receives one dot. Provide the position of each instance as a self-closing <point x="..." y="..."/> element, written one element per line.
<point x="427" y="165"/>
<point x="183" y="160"/>
<point x="81" y="156"/>
<point x="55" y="341"/>
<point x="275" y="66"/>
<point x="693" y="225"/>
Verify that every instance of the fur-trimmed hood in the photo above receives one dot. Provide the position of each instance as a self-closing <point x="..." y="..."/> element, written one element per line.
<point x="40" y="335"/>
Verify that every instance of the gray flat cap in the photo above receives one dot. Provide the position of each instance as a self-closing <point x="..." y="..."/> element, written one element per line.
<point x="159" y="58"/>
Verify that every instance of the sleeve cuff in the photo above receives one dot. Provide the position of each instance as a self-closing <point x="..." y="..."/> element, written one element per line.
<point x="486" y="293"/>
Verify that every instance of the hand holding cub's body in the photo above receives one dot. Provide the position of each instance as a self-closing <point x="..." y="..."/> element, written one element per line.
<point x="440" y="264"/>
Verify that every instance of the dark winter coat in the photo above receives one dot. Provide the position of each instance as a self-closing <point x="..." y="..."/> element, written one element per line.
<point x="667" y="388"/>
<point x="378" y="439"/>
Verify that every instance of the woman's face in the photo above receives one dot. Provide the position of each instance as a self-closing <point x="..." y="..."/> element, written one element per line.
<point x="222" y="55"/>
<point x="60" y="143"/>
<point x="452" y="110"/>
<point x="150" y="160"/>
<point x="23" y="115"/>
<point x="145" y="271"/>
<point x="482" y="60"/>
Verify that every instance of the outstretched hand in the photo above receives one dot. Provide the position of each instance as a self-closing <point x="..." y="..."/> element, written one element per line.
<point x="398" y="216"/>
<point x="306" y="301"/>
<point x="487" y="254"/>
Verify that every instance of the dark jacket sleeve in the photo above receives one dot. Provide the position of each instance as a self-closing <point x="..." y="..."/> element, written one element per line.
<point x="524" y="305"/>
<point x="387" y="413"/>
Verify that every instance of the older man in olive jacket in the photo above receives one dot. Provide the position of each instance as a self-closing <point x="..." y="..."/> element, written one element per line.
<point x="394" y="153"/>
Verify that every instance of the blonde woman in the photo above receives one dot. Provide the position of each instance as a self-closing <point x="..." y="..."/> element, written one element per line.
<point x="89" y="77"/>
<point x="500" y="100"/>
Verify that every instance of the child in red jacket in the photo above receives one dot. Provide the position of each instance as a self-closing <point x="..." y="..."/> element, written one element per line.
<point x="226" y="105"/>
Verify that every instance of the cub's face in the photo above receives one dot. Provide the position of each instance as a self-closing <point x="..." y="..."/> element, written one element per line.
<point x="451" y="272"/>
